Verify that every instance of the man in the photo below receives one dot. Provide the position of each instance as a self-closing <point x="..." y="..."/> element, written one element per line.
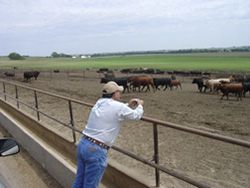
<point x="101" y="132"/>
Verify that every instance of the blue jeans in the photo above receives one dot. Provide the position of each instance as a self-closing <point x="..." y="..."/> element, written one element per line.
<point x="91" y="164"/>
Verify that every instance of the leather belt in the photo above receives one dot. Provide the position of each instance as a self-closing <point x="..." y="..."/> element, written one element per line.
<point x="96" y="142"/>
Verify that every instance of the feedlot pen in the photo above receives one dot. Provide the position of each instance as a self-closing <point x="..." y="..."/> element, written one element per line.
<point x="28" y="99"/>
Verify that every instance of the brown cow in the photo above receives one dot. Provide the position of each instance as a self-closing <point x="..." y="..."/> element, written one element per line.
<point x="139" y="81"/>
<point x="175" y="83"/>
<point x="231" y="88"/>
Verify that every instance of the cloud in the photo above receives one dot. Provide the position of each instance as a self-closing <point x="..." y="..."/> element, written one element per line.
<point x="22" y="15"/>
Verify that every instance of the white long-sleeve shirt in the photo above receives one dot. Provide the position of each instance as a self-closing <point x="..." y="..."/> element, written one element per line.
<point x="105" y="119"/>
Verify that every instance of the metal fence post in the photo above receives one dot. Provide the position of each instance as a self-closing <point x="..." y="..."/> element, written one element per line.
<point x="17" y="103"/>
<point x="72" y="121"/>
<point x="4" y="91"/>
<point x="36" y="105"/>
<point x="156" y="155"/>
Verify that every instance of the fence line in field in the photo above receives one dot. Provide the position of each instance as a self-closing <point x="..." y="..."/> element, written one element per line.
<point x="90" y="73"/>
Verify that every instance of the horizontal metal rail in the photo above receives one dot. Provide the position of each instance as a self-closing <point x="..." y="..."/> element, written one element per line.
<point x="199" y="132"/>
<point x="43" y="113"/>
<point x="155" y="123"/>
<point x="163" y="169"/>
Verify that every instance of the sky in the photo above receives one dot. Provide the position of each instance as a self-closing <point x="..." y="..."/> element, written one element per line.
<point x="41" y="27"/>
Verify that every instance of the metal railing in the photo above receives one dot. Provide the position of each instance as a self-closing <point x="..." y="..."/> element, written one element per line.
<point x="155" y="123"/>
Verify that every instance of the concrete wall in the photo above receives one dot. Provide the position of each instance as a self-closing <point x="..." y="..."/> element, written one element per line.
<point x="58" y="155"/>
<point x="46" y="156"/>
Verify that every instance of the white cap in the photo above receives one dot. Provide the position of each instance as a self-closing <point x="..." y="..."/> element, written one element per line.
<point x="111" y="87"/>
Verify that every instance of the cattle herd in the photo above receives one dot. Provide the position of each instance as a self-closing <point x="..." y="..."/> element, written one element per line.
<point x="237" y="85"/>
<point x="140" y="82"/>
<point x="226" y="85"/>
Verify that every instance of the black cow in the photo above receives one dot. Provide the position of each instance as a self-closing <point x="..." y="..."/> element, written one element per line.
<point x="173" y="77"/>
<point x="149" y="71"/>
<point x="101" y="70"/>
<point x="239" y="78"/>
<point x="109" y="74"/>
<point x="246" y="88"/>
<point x="120" y="81"/>
<point x="196" y="73"/>
<point x="125" y="70"/>
<point x="8" y="74"/>
<point x="200" y="83"/>
<point x="29" y="74"/>
<point x="208" y="74"/>
<point x="162" y="82"/>
<point x="157" y="71"/>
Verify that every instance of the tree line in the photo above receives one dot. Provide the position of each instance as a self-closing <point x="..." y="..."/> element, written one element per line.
<point x="57" y="55"/>
<point x="181" y="51"/>
<point x="16" y="56"/>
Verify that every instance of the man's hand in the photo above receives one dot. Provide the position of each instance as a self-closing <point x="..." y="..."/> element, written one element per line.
<point x="135" y="102"/>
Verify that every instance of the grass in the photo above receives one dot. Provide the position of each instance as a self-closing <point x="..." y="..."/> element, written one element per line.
<point x="168" y="62"/>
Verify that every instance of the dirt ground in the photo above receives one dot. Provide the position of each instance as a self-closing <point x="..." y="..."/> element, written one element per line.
<point x="214" y="163"/>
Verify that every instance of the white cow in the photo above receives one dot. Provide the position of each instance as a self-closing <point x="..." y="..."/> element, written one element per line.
<point x="213" y="83"/>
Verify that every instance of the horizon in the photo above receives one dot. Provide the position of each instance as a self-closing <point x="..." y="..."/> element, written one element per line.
<point x="141" y="51"/>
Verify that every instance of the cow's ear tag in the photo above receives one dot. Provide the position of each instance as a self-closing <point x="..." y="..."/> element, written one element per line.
<point x="91" y="149"/>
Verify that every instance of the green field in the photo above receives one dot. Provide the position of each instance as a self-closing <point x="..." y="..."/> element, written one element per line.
<point x="169" y="62"/>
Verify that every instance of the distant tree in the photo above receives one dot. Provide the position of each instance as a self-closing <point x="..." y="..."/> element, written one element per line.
<point x="54" y="54"/>
<point x="65" y="55"/>
<point x="15" y="56"/>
